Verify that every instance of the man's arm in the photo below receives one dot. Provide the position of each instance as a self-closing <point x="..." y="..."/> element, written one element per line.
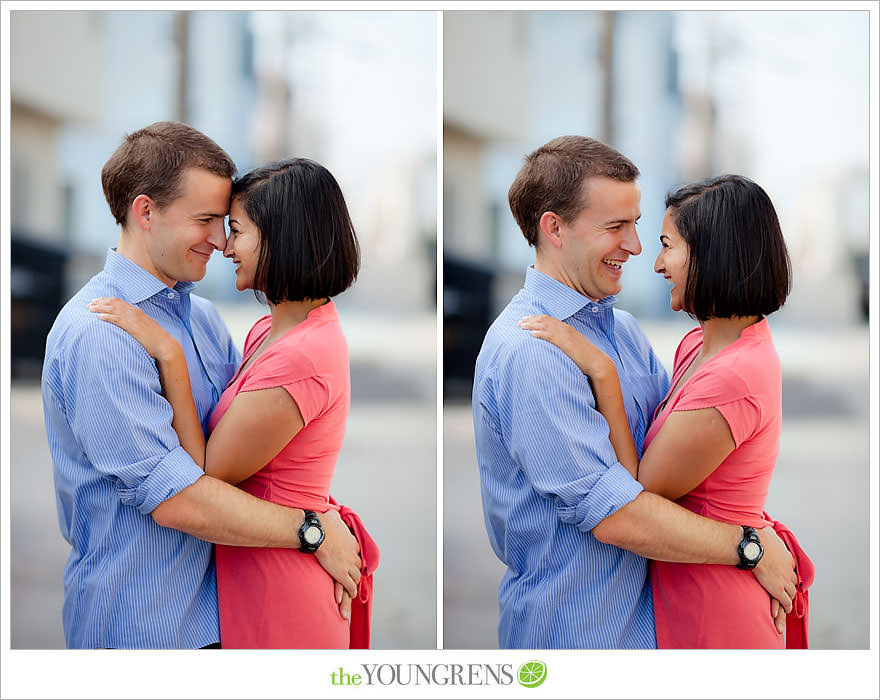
<point x="215" y="511"/>
<point x="123" y="426"/>
<point x="656" y="528"/>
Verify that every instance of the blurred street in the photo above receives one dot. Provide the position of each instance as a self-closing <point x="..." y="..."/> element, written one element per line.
<point x="820" y="488"/>
<point x="387" y="472"/>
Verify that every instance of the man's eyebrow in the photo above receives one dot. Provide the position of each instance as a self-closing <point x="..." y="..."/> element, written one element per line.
<point x="621" y="221"/>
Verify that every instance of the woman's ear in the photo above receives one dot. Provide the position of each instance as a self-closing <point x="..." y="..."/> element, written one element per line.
<point x="141" y="209"/>
<point x="550" y="228"/>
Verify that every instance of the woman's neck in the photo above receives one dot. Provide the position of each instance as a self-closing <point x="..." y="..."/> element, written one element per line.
<point x="288" y="314"/>
<point x="718" y="333"/>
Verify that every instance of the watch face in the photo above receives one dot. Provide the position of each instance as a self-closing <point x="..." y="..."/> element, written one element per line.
<point x="752" y="551"/>
<point x="312" y="534"/>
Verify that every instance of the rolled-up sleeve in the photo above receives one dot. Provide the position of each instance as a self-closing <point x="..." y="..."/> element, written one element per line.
<point x="121" y="420"/>
<point x="558" y="438"/>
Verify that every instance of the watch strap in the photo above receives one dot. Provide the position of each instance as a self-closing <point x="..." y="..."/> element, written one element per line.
<point x="749" y="536"/>
<point x="310" y="520"/>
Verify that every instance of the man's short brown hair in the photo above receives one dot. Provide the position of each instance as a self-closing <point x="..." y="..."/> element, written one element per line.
<point x="151" y="161"/>
<point x="551" y="179"/>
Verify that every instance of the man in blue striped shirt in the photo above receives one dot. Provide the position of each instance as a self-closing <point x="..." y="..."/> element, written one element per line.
<point x="569" y="521"/>
<point x="138" y="513"/>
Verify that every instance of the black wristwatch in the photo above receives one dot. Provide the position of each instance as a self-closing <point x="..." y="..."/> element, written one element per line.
<point x="750" y="550"/>
<point x="311" y="533"/>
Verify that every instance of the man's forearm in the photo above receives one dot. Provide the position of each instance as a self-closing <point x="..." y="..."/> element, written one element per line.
<point x="215" y="511"/>
<point x="656" y="528"/>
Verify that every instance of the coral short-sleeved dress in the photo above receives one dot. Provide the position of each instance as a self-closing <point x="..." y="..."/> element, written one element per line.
<point x="273" y="598"/>
<point x="715" y="606"/>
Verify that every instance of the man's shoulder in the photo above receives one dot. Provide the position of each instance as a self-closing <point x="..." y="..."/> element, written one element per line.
<point x="513" y="355"/>
<point x="74" y="318"/>
<point x="626" y="326"/>
<point x="504" y="336"/>
<point x="205" y="313"/>
<point x="203" y="306"/>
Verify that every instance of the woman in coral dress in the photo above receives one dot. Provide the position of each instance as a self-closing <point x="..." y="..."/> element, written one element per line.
<point x="278" y="428"/>
<point x="714" y="439"/>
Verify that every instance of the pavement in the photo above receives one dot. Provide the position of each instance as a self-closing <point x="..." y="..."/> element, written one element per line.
<point x="386" y="472"/>
<point x="820" y="488"/>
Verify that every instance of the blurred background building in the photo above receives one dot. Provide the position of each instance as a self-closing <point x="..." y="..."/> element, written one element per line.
<point x="781" y="97"/>
<point x="355" y="91"/>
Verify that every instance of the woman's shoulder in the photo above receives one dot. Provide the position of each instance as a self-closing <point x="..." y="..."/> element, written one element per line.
<point x="688" y="345"/>
<point x="755" y="360"/>
<point x="257" y="332"/>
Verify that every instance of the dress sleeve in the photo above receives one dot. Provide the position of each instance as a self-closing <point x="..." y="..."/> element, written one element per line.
<point x="558" y="438"/>
<point x="115" y="409"/>
<point x="726" y="390"/>
<point x="295" y="371"/>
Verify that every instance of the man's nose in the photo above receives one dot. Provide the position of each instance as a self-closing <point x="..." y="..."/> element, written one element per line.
<point x="631" y="243"/>
<point x="217" y="234"/>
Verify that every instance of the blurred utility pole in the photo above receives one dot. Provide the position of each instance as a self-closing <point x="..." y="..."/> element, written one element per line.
<point x="273" y="111"/>
<point x="606" y="61"/>
<point x="181" y="41"/>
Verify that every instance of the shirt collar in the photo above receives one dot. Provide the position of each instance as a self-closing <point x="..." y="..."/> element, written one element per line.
<point x="560" y="300"/>
<point x="135" y="283"/>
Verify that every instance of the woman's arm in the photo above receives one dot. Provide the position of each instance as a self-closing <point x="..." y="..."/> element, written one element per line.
<point x="688" y="448"/>
<point x="602" y="374"/>
<point x="171" y="362"/>
<point x="256" y="426"/>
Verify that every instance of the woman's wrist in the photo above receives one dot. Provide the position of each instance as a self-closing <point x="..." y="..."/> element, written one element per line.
<point x="601" y="368"/>
<point x="169" y="353"/>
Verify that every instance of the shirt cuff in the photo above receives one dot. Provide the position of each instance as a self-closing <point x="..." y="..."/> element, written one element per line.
<point x="613" y="490"/>
<point x="169" y="477"/>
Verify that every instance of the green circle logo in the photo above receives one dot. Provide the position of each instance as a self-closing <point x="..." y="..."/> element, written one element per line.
<point x="532" y="673"/>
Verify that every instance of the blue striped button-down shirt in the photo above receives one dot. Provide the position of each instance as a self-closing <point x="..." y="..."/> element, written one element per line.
<point x="549" y="474"/>
<point x="128" y="582"/>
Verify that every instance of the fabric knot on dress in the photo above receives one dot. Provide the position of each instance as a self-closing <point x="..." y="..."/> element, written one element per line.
<point x="796" y="621"/>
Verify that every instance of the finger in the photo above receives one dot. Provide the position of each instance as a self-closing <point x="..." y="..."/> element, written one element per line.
<point x="339" y="591"/>
<point x="345" y="607"/>
<point x="774" y="607"/>
<point x="780" y="620"/>
<point x="786" y="603"/>
<point x="350" y="586"/>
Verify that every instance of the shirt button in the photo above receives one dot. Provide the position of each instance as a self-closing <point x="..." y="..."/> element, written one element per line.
<point x="594" y="309"/>
<point x="170" y="295"/>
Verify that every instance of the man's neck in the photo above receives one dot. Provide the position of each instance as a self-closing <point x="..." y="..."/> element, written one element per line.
<point x="133" y="248"/>
<point x="554" y="271"/>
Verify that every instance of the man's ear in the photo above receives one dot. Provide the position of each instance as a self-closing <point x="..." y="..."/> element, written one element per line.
<point x="550" y="228"/>
<point x="141" y="209"/>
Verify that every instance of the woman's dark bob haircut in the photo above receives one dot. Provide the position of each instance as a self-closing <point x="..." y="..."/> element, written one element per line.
<point x="308" y="247"/>
<point x="739" y="264"/>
